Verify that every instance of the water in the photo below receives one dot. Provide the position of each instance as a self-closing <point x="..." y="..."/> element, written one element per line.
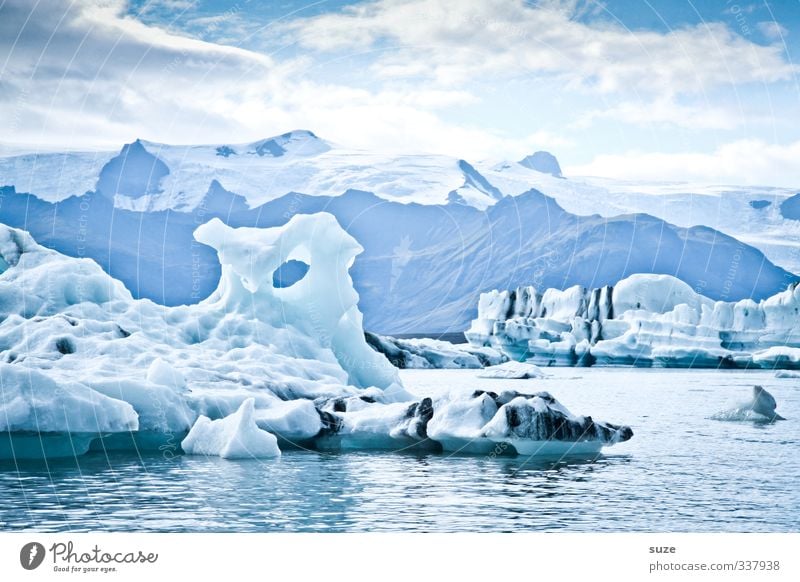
<point x="680" y="472"/>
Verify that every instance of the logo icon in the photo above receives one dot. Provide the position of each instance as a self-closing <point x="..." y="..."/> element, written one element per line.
<point x="31" y="555"/>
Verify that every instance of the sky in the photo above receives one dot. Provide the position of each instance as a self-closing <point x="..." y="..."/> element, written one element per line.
<point x="704" y="91"/>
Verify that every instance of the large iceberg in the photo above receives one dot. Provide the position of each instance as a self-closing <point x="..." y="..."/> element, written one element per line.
<point x="644" y="320"/>
<point x="84" y="365"/>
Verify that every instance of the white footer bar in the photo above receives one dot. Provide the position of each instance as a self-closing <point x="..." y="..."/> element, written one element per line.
<point x="406" y="557"/>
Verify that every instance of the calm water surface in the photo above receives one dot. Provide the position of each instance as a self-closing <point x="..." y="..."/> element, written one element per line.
<point x="681" y="472"/>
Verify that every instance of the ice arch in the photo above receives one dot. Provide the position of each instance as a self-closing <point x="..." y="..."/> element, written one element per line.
<point x="322" y="305"/>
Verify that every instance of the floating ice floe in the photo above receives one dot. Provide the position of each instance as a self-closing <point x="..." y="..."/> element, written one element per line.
<point x="236" y="436"/>
<point x="644" y="320"/>
<point x="528" y="424"/>
<point x="761" y="408"/>
<point x="431" y="353"/>
<point x="512" y="371"/>
<point x="85" y="366"/>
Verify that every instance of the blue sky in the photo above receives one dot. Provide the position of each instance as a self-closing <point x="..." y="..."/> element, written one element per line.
<point x="653" y="89"/>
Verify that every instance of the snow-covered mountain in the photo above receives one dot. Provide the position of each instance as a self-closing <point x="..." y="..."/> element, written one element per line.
<point x="437" y="231"/>
<point x="761" y="216"/>
<point x="151" y="176"/>
<point x="544" y="162"/>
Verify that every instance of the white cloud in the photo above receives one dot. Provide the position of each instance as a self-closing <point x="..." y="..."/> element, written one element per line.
<point x="745" y="162"/>
<point x="451" y="41"/>
<point x="773" y="30"/>
<point x="665" y="111"/>
<point x="85" y="74"/>
<point x="169" y="5"/>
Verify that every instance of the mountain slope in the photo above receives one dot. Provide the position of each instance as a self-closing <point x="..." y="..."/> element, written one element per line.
<point x="752" y="214"/>
<point x="151" y="176"/>
<point x="423" y="267"/>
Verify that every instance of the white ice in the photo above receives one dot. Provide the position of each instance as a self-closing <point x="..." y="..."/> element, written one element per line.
<point x="644" y="320"/>
<point x="84" y="364"/>
<point x="234" y="437"/>
<point x="760" y="408"/>
<point x="512" y="371"/>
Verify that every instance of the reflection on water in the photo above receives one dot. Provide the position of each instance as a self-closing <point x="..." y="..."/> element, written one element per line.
<point x="681" y="472"/>
<point x="303" y="491"/>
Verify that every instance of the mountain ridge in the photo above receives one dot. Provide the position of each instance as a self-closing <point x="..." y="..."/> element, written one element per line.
<point x="423" y="266"/>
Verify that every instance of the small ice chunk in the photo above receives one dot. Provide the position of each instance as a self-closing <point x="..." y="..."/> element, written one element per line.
<point x="763" y="403"/>
<point x="234" y="437"/>
<point x="760" y="409"/>
<point x="513" y="371"/>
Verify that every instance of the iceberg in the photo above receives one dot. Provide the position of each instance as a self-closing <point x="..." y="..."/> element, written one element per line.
<point x="234" y="437"/>
<point x="256" y="367"/>
<point x="356" y="424"/>
<point x="539" y="425"/>
<point x="643" y="320"/>
<point x="42" y="418"/>
<point x="528" y="424"/>
<point x="763" y="403"/>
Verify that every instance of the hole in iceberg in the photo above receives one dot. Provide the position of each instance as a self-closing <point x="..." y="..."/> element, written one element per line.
<point x="65" y="346"/>
<point x="289" y="273"/>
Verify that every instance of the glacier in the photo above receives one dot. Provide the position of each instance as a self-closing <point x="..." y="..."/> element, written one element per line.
<point x="252" y="369"/>
<point x="643" y="320"/>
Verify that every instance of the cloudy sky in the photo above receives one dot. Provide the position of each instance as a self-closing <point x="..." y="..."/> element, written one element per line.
<point x="704" y="90"/>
